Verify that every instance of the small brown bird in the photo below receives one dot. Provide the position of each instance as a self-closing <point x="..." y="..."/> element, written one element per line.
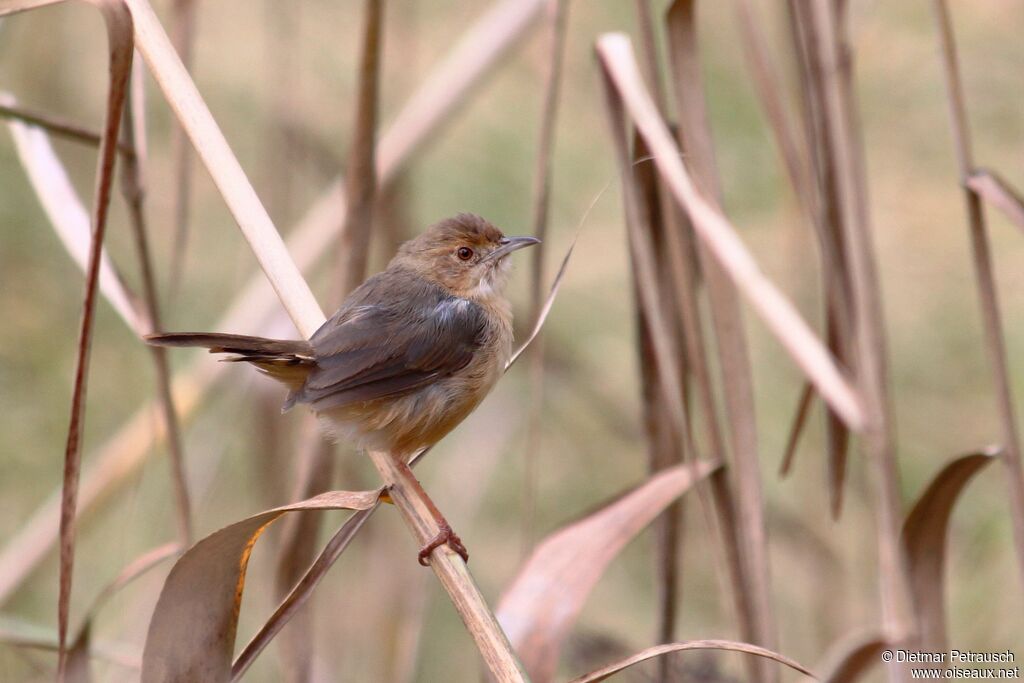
<point x="410" y="353"/>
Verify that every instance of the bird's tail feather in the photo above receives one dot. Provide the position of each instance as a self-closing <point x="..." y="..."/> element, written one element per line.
<point x="286" y="360"/>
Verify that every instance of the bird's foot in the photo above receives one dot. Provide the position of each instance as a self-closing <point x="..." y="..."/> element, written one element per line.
<point x="445" y="536"/>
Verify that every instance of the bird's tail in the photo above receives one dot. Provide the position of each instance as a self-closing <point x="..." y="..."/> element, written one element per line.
<point x="288" y="361"/>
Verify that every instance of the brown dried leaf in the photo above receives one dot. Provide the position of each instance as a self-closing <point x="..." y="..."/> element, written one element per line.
<point x="542" y="603"/>
<point x="291" y="604"/>
<point x="851" y="658"/>
<point x="192" y="633"/>
<point x="660" y="650"/>
<point x="924" y="538"/>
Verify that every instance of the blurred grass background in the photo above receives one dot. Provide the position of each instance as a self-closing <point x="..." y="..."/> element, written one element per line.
<point x="280" y="81"/>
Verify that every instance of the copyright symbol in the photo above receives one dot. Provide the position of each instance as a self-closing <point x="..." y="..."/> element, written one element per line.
<point x="887" y="656"/>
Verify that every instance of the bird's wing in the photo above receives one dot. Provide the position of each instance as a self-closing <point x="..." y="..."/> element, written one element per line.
<point x="382" y="345"/>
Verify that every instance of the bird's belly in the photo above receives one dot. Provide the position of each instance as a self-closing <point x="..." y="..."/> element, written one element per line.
<point x="409" y="422"/>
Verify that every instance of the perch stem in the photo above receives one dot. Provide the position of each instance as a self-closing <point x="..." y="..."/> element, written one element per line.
<point x="418" y="512"/>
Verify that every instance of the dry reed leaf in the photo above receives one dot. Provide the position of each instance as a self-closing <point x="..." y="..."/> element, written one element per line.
<point x="435" y="103"/>
<point x="301" y="592"/>
<point x="540" y="606"/>
<point x="69" y="218"/>
<point x="722" y="241"/>
<point x="297" y="545"/>
<point x="994" y="189"/>
<point x="542" y="316"/>
<point x="852" y="657"/>
<point x="837" y="99"/>
<point x="985" y="278"/>
<point x="118" y="25"/>
<point x="697" y="143"/>
<point x="661" y="650"/>
<point x="803" y="407"/>
<point x="192" y="633"/>
<point x="924" y="536"/>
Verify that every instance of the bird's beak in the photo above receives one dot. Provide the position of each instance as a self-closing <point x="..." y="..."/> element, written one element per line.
<point x="510" y="244"/>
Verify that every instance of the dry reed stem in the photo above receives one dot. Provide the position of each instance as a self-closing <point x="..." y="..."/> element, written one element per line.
<point x="723" y="242"/>
<point x="666" y="447"/>
<point x="828" y="225"/>
<point x="557" y="19"/>
<point x="995" y="344"/>
<point x="183" y="31"/>
<point x="227" y="174"/>
<point x="70" y="221"/>
<point x="360" y="175"/>
<point x="797" y="164"/>
<point x="433" y="105"/>
<point x="54" y="124"/>
<point x="119" y="38"/>
<point x="869" y="339"/>
<point x="994" y="189"/>
<point x="133" y="189"/>
<point x="734" y="360"/>
<point x="450" y="569"/>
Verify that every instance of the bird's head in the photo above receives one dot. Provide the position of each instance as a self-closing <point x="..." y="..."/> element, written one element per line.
<point x="466" y="255"/>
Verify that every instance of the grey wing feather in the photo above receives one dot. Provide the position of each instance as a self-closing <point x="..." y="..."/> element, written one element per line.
<point x="374" y="350"/>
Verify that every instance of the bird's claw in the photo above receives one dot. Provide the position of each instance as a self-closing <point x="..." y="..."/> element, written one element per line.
<point x="445" y="536"/>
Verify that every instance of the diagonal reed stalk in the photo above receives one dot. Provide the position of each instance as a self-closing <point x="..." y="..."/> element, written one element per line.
<point x="985" y="279"/>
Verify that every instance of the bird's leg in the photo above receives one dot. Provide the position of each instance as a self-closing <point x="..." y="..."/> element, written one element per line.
<point x="445" y="535"/>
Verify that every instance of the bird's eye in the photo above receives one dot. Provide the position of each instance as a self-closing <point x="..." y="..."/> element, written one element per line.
<point x="464" y="253"/>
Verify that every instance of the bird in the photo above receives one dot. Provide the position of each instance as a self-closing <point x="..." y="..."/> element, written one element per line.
<point x="410" y="353"/>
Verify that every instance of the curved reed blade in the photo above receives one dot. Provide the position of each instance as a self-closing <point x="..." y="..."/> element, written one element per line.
<point x="662" y="650"/>
<point x="851" y="658"/>
<point x="924" y="537"/>
<point x="541" y="605"/>
<point x="192" y="632"/>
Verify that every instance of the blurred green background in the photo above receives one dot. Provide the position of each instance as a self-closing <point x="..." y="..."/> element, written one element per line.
<point x="280" y="80"/>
